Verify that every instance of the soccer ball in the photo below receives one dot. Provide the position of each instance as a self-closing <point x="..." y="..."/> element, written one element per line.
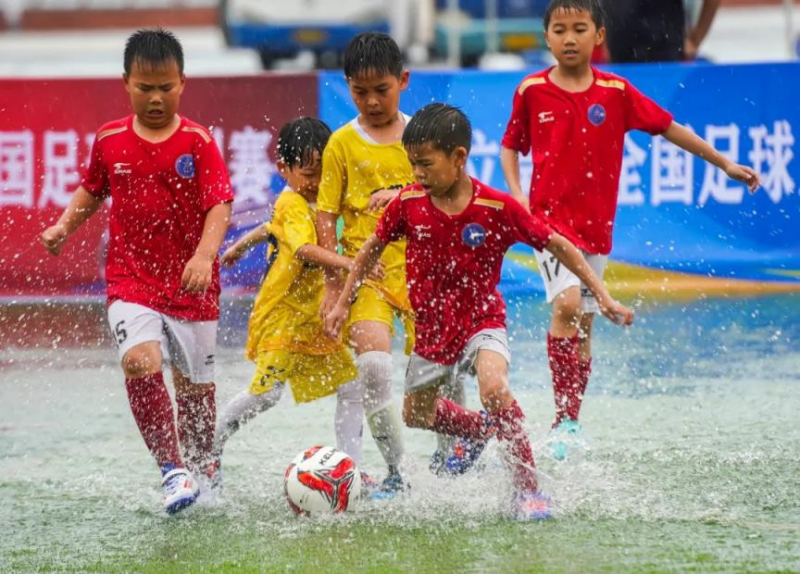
<point x="321" y="480"/>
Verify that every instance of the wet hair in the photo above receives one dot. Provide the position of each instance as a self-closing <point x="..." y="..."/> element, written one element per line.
<point x="593" y="7"/>
<point x="372" y="53"/>
<point x="443" y="126"/>
<point x="299" y="139"/>
<point x="154" y="47"/>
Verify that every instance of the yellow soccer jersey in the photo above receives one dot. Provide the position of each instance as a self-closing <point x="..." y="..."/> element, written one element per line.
<point x="353" y="168"/>
<point x="286" y="311"/>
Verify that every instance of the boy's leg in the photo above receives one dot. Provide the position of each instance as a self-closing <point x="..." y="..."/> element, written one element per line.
<point x="241" y="409"/>
<point x="371" y="341"/>
<point x="138" y="333"/>
<point x="197" y="414"/>
<point x="562" y="350"/>
<point x="496" y="396"/>
<point x="584" y="364"/>
<point x="150" y="403"/>
<point x="349" y="419"/>
<point x="192" y="348"/>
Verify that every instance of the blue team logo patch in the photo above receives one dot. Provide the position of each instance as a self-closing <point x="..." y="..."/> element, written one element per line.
<point x="184" y="165"/>
<point x="473" y="234"/>
<point x="596" y="114"/>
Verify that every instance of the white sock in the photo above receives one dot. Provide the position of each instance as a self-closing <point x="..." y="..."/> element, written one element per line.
<point x="375" y="376"/>
<point x="349" y="419"/>
<point x="239" y="410"/>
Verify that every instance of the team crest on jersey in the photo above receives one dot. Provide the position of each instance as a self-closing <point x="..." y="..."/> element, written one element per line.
<point x="184" y="165"/>
<point x="473" y="234"/>
<point x="596" y="114"/>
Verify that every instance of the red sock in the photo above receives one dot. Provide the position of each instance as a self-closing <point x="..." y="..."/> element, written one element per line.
<point x="510" y="423"/>
<point x="564" y="359"/>
<point x="197" y="415"/>
<point x="453" y="419"/>
<point x="584" y="370"/>
<point x="152" y="411"/>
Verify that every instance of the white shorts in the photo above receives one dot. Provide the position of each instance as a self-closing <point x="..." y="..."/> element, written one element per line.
<point x="558" y="278"/>
<point x="187" y="345"/>
<point x="422" y="373"/>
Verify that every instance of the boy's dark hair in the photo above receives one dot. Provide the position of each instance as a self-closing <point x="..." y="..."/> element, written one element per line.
<point x="154" y="47"/>
<point x="299" y="139"/>
<point x="372" y="53"/>
<point x="443" y="126"/>
<point x="593" y="7"/>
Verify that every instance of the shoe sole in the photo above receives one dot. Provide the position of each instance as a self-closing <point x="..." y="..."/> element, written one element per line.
<point x="180" y="504"/>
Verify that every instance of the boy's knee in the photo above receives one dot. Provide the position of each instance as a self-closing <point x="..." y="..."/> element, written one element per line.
<point x="141" y="360"/>
<point x="567" y="307"/>
<point x="415" y="418"/>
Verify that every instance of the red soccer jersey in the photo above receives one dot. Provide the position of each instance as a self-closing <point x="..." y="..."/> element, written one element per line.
<point x="160" y="195"/>
<point x="453" y="263"/>
<point x="576" y="142"/>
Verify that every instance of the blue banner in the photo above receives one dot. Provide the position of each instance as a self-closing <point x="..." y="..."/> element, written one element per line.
<point x="676" y="212"/>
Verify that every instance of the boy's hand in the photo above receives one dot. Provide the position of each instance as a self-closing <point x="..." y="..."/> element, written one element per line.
<point x="334" y="321"/>
<point x="332" y="291"/>
<point x="53" y="238"/>
<point x="197" y="274"/>
<point x="378" y="273"/>
<point x="231" y="256"/>
<point x="616" y="312"/>
<point x="381" y="199"/>
<point x="746" y="175"/>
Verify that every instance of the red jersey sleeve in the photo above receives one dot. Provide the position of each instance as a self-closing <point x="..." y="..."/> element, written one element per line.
<point x="527" y="228"/>
<point x="517" y="136"/>
<point x="95" y="178"/>
<point x="391" y="226"/>
<point x="214" y="181"/>
<point x="642" y="113"/>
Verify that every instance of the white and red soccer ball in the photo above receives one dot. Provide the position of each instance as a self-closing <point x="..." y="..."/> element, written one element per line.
<point x="322" y="480"/>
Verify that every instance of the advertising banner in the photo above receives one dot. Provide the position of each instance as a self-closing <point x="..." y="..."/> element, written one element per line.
<point x="46" y="134"/>
<point x="676" y="212"/>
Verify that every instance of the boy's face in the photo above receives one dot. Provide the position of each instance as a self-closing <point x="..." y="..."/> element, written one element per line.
<point x="304" y="179"/>
<point x="435" y="169"/>
<point x="572" y="37"/>
<point x="377" y="96"/>
<point x="155" y="92"/>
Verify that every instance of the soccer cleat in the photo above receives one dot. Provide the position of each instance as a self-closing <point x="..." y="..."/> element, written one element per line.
<point x="180" y="490"/>
<point x="564" y="437"/>
<point x="369" y="485"/>
<point x="209" y="479"/>
<point x="437" y="463"/>
<point x="466" y="451"/>
<point x="529" y="505"/>
<point x="391" y="486"/>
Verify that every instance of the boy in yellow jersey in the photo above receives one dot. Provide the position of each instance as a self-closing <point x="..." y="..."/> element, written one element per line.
<point x="285" y="337"/>
<point x="363" y="168"/>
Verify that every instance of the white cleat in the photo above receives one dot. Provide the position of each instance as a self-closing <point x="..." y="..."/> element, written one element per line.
<point x="180" y="490"/>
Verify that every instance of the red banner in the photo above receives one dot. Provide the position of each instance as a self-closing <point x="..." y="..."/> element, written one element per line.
<point x="46" y="131"/>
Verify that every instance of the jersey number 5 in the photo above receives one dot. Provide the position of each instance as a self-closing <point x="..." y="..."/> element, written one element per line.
<point x="120" y="334"/>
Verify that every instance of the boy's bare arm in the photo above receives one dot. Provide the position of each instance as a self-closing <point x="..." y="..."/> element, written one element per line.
<point x="244" y="244"/>
<point x="326" y="239"/>
<point x="509" y="160"/>
<point x="198" y="271"/>
<point x="333" y="261"/>
<point x="366" y="259"/>
<point x="573" y="260"/>
<point x="81" y="207"/>
<point x="691" y="142"/>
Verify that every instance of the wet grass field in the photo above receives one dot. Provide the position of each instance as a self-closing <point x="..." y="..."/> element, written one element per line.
<point x="694" y="459"/>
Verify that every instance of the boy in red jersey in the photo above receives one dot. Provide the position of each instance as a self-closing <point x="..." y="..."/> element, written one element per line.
<point x="573" y="119"/>
<point x="171" y="208"/>
<point x="458" y="231"/>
